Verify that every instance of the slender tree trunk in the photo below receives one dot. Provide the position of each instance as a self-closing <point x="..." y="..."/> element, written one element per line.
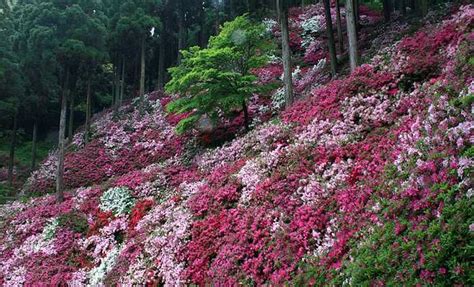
<point x="122" y="82"/>
<point x="386" y="10"/>
<point x="423" y="7"/>
<point x="33" y="148"/>
<point x="246" y="116"/>
<point x="330" y="33"/>
<point x="340" y="36"/>
<point x="71" y="119"/>
<point x="62" y="131"/>
<point x="161" y="67"/>
<point x="287" y="78"/>
<point x="114" y="90"/>
<point x="181" y="31"/>
<point x="142" y="78"/>
<point x="88" y="112"/>
<point x="117" y="86"/>
<point x="356" y="16"/>
<point x="403" y="7"/>
<point x="11" y="162"/>
<point x="351" y="33"/>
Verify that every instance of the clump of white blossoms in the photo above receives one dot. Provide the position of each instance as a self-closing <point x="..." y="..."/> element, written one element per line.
<point x="311" y="26"/>
<point x="269" y="24"/>
<point x="96" y="275"/>
<point x="118" y="200"/>
<point x="50" y="229"/>
<point x="278" y="99"/>
<point x="44" y="241"/>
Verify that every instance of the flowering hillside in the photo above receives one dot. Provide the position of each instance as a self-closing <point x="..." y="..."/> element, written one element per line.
<point x="367" y="180"/>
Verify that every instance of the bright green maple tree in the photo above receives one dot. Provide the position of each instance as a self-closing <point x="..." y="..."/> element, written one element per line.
<point x="218" y="80"/>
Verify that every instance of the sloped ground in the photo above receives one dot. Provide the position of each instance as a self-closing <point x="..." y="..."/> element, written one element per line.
<point x="367" y="181"/>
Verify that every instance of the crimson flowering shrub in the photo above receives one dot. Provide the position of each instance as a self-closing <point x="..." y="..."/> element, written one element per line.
<point x="132" y="180"/>
<point x="139" y="211"/>
<point x="269" y="73"/>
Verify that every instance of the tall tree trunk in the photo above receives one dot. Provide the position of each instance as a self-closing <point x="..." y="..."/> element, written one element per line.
<point x="33" y="147"/>
<point x="71" y="119"/>
<point x="330" y="33"/>
<point x="386" y="10"/>
<point x="142" y="78"/>
<point x="62" y="132"/>
<point x="403" y="7"/>
<point x="181" y="30"/>
<point x="246" y="116"/>
<point x="117" y="85"/>
<point x="287" y="77"/>
<point x="340" y="36"/>
<point x="356" y="16"/>
<point x="161" y="66"/>
<point x="114" y="89"/>
<point x="88" y="112"/>
<point x="11" y="161"/>
<point x="423" y="7"/>
<point x="122" y="82"/>
<point x="351" y="33"/>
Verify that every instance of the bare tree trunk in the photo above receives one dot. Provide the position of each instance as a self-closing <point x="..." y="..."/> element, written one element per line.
<point x="114" y="89"/>
<point x="287" y="78"/>
<point x="340" y="36"/>
<point x="71" y="119"/>
<point x="246" y="116"/>
<point x="62" y="131"/>
<point x="11" y="161"/>
<point x="161" y="67"/>
<point x="330" y="33"/>
<point x="386" y="10"/>
<point x="122" y="82"/>
<point x="356" y="16"/>
<point x="181" y="30"/>
<point x="117" y="86"/>
<point x="351" y="33"/>
<point x="403" y="7"/>
<point x="33" y="148"/>
<point x="142" y="78"/>
<point x="423" y="7"/>
<point x="88" y="112"/>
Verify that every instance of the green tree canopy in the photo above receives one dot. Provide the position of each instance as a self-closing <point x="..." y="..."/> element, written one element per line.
<point x="218" y="79"/>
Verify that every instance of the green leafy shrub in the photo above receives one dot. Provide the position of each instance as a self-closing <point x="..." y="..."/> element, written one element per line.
<point x="74" y="221"/>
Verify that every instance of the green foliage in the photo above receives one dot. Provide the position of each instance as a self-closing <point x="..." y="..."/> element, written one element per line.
<point x="11" y="80"/>
<point x="218" y="79"/>
<point x="50" y="229"/>
<point x="373" y="4"/>
<point x="446" y="244"/>
<point x="23" y="151"/>
<point x="131" y="23"/>
<point x="6" y="193"/>
<point x="75" y="221"/>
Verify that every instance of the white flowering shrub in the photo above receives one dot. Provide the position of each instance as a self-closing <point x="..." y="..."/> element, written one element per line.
<point x="311" y="26"/>
<point x="118" y="200"/>
<point x="278" y="99"/>
<point x="50" y="229"/>
<point x="97" y="274"/>
<point x="44" y="242"/>
<point x="269" y="24"/>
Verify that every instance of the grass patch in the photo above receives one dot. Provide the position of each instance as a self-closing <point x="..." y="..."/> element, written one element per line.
<point x="23" y="151"/>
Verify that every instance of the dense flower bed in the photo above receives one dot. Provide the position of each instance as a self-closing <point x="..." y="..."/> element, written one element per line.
<point x="368" y="181"/>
